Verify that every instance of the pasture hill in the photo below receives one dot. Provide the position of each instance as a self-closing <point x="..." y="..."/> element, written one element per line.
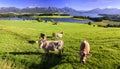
<point x="18" y="49"/>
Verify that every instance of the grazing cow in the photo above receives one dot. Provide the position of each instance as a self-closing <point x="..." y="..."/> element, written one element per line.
<point x="84" y="51"/>
<point x="51" y="45"/>
<point x="54" y="35"/>
<point x="43" y="36"/>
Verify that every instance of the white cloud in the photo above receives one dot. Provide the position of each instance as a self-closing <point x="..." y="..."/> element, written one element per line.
<point x="109" y="6"/>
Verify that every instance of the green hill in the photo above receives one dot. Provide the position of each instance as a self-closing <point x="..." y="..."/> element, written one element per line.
<point x="18" y="49"/>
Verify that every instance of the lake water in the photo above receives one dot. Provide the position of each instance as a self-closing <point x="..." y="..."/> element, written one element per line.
<point x="67" y="20"/>
<point x="49" y="19"/>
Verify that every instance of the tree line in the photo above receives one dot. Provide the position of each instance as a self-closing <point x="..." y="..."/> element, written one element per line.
<point x="29" y="14"/>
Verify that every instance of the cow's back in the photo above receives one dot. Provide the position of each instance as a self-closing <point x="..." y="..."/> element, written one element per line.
<point x="85" y="47"/>
<point x="51" y="45"/>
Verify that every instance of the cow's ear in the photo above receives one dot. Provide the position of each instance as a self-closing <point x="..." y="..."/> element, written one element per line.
<point x="89" y="55"/>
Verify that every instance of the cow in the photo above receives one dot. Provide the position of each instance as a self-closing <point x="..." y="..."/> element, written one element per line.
<point x="54" y="35"/>
<point x="51" y="45"/>
<point x="84" y="51"/>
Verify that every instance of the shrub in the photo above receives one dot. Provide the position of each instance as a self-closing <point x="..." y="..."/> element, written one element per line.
<point x="39" y="19"/>
<point x="89" y="23"/>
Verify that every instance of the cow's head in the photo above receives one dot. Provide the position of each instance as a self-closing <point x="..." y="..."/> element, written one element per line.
<point x="43" y="36"/>
<point x="83" y="56"/>
<point x="40" y="43"/>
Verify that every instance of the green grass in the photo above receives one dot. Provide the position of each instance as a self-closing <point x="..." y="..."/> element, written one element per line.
<point x="53" y="16"/>
<point x="111" y="22"/>
<point x="105" y="22"/>
<point x="18" y="52"/>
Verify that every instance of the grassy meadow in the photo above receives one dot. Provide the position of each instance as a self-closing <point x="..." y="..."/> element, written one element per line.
<point x="18" y="49"/>
<point x="52" y="16"/>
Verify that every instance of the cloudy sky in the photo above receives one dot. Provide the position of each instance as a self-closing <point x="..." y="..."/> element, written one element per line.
<point x="76" y="4"/>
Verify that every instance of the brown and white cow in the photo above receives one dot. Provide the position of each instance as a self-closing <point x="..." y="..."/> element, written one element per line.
<point x="84" y="51"/>
<point x="51" y="45"/>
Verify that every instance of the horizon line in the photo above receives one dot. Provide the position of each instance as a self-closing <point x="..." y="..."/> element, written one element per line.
<point x="55" y="7"/>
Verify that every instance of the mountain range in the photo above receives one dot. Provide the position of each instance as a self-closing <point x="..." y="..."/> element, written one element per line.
<point x="38" y="9"/>
<point x="104" y="11"/>
<point x="59" y="10"/>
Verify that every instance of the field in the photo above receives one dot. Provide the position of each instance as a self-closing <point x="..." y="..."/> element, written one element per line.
<point x="18" y="49"/>
<point x="53" y="16"/>
<point x="105" y="22"/>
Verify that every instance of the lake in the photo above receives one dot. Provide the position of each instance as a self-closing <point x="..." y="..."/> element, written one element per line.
<point x="67" y="20"/>
<point x="55" y="19"/>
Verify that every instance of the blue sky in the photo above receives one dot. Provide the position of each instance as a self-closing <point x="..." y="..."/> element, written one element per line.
<point x="75" y="4"/>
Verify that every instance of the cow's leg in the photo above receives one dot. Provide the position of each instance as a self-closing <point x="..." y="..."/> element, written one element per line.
<point x="81" y="57"/>
<point x="60" y="51"/>
<point x="47" y="52"/>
